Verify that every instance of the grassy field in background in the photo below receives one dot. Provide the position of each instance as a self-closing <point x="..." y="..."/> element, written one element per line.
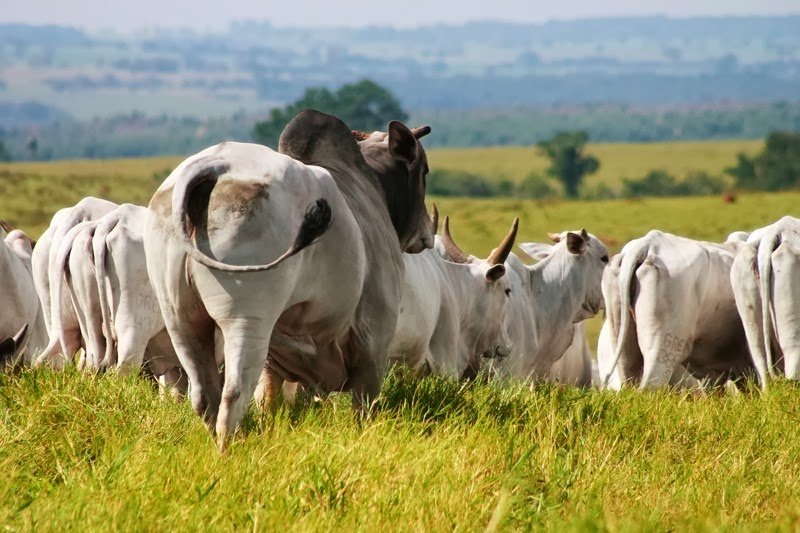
<point x="617" y="160"/>
<point x="437" y="455"/>
<point x="46" y="186"/>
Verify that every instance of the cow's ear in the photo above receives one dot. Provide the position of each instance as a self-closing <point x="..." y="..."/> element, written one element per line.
<point x="576" y="244"/>
<point x="402" y="143"/>
<point x="495" y="272"/>
<point x="536" y="250"/>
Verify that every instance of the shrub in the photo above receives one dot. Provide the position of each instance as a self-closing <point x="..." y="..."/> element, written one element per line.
<point x="537" y="186"/>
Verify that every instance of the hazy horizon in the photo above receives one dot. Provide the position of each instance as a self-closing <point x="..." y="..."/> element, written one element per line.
<point x="95" y="15"/>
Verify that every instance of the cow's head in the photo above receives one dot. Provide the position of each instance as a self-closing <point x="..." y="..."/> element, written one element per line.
<point x="400" y="162"/>
<point x="486" y="332"/>
<point x="11" y="349"/>
<point x="583" y="257"/>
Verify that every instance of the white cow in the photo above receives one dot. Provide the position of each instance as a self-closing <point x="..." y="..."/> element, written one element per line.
<point x="669" y="302"/>
<point x="44" y="270"/>
<point x="132" y="323"/>
<point x="680" y="379"/>
<point x="452" y="311"/>
<point x="74" y="323"/>
<point x="765" y="276"/>
<point x="548" y="299"/>
<point x="20" y="304"/>
<point x="326" y="315"/>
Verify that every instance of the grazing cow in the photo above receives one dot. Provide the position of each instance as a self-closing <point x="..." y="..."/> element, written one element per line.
<point x="669" y="302"/>
<point x="548" y="299"/>
<point x="452" y="311"/>
<point x="131" y="319"/>
<point x="44" y="269"/>
<point x="75" y="320"/>
<point x="764" y="278"/>
<point x="20" y="304"/>
<point x="326" y="315"/>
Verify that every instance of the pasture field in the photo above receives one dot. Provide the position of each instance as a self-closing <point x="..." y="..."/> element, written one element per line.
<point x="617" y="160"/>
<point x="436" y="455"/>
<point x="100" y="453"/>
<point x="31" y="191"/>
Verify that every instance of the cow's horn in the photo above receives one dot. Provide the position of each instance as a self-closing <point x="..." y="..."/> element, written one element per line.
<point x="434" y="220"/>
<point x="453" y="252"/>
<point x="500" y="254"/>
<point x="421" y="131"/>
<point x="584" y="234"/>
<point x="6" y="226"/>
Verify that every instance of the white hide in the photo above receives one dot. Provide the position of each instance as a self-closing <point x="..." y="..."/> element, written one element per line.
<point x="44" y="269"/>
<point x="765" y="277"/>
<point x="133" y="326"/>
<point x="20" y="303"/>
<point x="450" y="314"/>
<point x="548" y="299"/>
<point x="669" y="302"/>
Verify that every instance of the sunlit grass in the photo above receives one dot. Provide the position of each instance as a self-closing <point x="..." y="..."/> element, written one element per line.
<point x="437" y="454"/>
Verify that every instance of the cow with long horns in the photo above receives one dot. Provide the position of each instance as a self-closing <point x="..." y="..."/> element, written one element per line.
<point x="452" y="311"/>
<point x="549" y="299"/>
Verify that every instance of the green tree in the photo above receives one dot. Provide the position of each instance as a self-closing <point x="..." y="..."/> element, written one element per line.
<point x="5" y="155"/>
<point x="568" y="162"/>
<point x="363" y="105"/>
<point x="775" y="168"/>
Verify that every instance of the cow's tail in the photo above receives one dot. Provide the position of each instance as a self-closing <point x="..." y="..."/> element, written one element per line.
<point x="100" y="253"/>
<point x="764" y="259"/>
<point x="631" y="260"/>
<point x="316" y="220"/>
<point x="61" y="264"/>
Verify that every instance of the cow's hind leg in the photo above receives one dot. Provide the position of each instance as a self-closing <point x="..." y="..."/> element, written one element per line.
<point x="194" y="347"/>
<point x="786" y="306"/>
<point x="748" y="302"/>
<point x="661" y="333"/>
<point x="246" y="341"/>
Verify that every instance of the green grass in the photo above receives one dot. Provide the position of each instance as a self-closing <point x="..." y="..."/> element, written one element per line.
<point x="437" y="455"/>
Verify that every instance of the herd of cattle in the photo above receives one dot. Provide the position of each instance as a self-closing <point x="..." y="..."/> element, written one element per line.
<point x="253" y="270"/>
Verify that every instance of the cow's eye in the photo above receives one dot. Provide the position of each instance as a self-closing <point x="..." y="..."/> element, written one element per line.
<point x="508" y="292"/>
<point x="604" y="259"/>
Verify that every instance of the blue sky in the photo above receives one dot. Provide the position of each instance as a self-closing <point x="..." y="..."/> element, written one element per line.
<point x="131" y="15"/>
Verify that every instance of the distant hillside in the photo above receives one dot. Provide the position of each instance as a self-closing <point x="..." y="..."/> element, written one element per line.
<point x="27" y="114"/>
<point x="254" y="65"/>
